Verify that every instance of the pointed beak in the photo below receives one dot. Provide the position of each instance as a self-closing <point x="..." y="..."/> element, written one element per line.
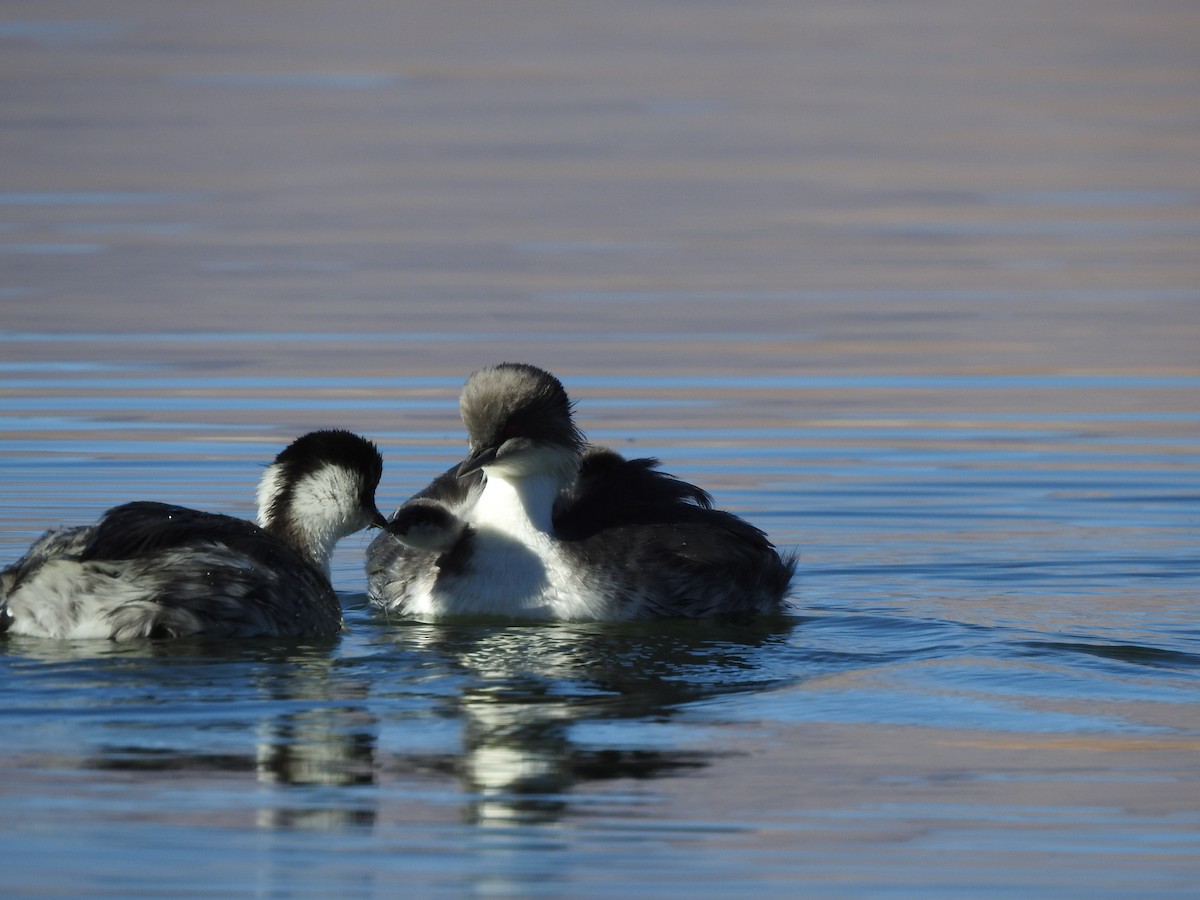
<point x="477" y="460"/>
<point x="378" y="520"/>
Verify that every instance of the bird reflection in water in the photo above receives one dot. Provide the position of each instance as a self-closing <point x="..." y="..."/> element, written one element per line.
<point x="319" y="747"/>
<point x="319" y="733"/>
<point x="328" y="736"/>
<point x="530" y="686"/>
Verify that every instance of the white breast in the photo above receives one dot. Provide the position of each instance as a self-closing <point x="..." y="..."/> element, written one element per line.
<point x="514" y="566"/>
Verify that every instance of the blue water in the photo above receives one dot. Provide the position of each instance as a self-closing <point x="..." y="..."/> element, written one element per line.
<point x="1007" y="579"/>
<point x="913" y="287"/>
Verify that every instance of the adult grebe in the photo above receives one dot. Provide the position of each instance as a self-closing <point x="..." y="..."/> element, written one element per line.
<point x="536" y="525"/>
<point x="153" y="570"/>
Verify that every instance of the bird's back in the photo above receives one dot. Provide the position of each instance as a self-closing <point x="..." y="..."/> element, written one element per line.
<point x="655" y="543"/>
<point x="156" y="570"/>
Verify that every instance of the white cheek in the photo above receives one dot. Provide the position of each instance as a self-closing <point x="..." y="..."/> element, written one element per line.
<point x="328" y="497"/>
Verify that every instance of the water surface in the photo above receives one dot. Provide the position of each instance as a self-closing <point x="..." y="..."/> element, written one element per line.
<point x="913" y="291"/>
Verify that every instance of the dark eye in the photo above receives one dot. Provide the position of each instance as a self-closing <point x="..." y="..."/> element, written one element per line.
<point x="510" y="431"/>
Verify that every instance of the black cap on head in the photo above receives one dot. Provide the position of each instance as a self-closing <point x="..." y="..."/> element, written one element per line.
<point x="332" y="447"/>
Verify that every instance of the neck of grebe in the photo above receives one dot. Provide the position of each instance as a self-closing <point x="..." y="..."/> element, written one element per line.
<point x="517" y="505"/>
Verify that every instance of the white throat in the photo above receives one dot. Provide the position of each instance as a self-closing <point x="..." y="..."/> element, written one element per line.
<point x="517" y="506"/>
<point x="513" y="558"/>
<point x="519" y="492"/>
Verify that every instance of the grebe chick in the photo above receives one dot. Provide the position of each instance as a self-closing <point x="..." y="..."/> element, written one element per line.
<point x="153" y="570"/>
<point x="536" y="525"/>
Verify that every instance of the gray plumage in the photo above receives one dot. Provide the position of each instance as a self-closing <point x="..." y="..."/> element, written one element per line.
<point x="533" y="524"/>
<point x="155" y="570"/>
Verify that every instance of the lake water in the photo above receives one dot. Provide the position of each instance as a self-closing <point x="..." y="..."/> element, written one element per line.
<point x="913" y="287"/>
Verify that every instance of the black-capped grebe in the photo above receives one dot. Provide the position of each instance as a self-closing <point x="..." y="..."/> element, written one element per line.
<point x="153" y="570"/>
<point x="536" y="525"/>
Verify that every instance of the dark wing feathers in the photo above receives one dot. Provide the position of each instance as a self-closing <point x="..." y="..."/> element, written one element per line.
<point x="145" y="528"/>
<point x="611" y="490"/>
<point x="234" y="599"/>
<point x="212" y="574"/>
<point x="705" y="560"/>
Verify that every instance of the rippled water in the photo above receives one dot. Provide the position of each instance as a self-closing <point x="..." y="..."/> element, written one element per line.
<point x="915" y="292"/>
<point x="993" y="657"/>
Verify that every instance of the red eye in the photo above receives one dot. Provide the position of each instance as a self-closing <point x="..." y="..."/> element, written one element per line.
<point x="510" y="431"/>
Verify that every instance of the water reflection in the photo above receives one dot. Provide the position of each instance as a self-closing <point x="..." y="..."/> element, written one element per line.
<point x="329" y="733"/>
<point x="326" y="736"/>
<point x="284" y="715"/>
<point x="529" y="688"/>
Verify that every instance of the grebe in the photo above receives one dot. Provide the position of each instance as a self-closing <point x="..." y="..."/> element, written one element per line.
<point x="153" y="570"/>
<point x="535" y="524"/>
